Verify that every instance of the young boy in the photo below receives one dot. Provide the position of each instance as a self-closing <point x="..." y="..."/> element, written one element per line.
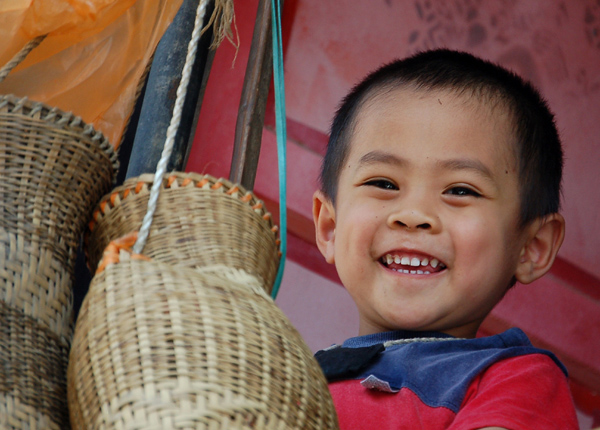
<point x="440" y="190"/>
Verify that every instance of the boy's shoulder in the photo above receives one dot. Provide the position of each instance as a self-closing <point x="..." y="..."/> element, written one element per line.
<point x="394" y="360"/>
<point x="437" y="380"/>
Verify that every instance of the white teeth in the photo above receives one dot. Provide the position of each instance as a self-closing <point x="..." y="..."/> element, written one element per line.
<point x="412" y="272"/>
<point x="427" y="272"/>
<point x="414" y="261"/>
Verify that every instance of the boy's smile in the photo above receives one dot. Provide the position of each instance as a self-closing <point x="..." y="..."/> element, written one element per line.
<point x="424" y="232"/>
<point x="414" y="265"/>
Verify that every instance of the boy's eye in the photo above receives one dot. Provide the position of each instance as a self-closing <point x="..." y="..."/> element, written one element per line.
<point x="384" y="184"/>
<point x="462" y="192"/>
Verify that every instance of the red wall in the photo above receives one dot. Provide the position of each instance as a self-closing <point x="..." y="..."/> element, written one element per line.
<point x="329" y="45"/>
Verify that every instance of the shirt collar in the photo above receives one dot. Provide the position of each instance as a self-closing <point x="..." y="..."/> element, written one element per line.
<point x="375" y="338"/>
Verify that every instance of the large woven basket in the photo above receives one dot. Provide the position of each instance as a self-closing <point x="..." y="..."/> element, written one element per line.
<point x="199" y="221"/>
<point x="158" y="346"/>
<point x="53" y="170"/>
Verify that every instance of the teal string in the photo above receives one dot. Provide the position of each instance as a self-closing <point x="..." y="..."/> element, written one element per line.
<point x="281" y="136"/>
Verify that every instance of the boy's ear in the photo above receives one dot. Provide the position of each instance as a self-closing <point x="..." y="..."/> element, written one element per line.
<point x="324" y="218"/>
<point x="537" y="255"/>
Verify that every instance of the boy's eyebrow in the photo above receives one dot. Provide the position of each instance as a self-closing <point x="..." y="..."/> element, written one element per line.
<point x="381" y="157"/>
<point x="466" y="164"/>
<point x="476" y="166"/>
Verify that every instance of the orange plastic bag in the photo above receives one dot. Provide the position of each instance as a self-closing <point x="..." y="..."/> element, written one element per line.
<point x="92" y="59"/>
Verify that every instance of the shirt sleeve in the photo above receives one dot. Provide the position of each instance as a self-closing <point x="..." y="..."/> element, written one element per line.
<point x="524" y="392"/>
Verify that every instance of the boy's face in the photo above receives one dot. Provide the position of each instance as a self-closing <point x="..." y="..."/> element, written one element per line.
<point x="424" y="233"/>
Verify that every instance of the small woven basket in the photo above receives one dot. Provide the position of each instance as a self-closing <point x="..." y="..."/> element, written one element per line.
<point x="158" y="346"/>
<point x="53" y="170"/>
<point x="199" y="221"/>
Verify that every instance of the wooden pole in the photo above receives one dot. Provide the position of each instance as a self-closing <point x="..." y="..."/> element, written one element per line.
<point x="251" y="112"/>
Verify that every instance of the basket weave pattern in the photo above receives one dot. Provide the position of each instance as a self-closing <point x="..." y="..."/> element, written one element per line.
<point x="199" y="221"/>
<point x="54" y="168"/>
<point x="187" y="336"/>
<point x="195" y="350"/>
<point x="32" y="379"/>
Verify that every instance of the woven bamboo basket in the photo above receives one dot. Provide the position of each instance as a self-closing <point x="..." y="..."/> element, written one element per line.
<point x="160" y="346"/>
<point x="53" y="170"/>
<point x="199" y="221"/>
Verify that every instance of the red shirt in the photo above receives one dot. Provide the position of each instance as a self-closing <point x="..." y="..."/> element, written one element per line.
<point x="523" y="392"/>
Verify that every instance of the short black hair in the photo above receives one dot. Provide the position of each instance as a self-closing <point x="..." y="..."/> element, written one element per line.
<point x="538" y="149"/>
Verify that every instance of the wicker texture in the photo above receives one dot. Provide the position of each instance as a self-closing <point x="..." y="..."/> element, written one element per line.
<point x="164" y="347"/>
<point x="200" y="221"/>
<point x="54" y="168"/>
<point x="32" y="379"/>
<point x="186" y="336"/>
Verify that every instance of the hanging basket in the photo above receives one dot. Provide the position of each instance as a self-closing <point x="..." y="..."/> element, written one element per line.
<point x="53" y="170"/>
<point x="159" y="346"/>
<point x="199" y="221"/>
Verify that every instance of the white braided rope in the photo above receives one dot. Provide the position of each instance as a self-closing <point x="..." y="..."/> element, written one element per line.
<point x="173" y="127"/>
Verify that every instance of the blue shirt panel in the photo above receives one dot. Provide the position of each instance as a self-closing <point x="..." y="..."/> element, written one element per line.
<point x="440" y="372"/>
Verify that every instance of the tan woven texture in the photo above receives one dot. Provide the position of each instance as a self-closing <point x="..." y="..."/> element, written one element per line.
<point x="160" y="347"/>
<point x="190" y="338"/>
<point x="54" y="168"/>
<point x="199" y="221"/>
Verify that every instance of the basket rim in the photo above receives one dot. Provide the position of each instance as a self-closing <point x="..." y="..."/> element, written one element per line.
<point x="174" y="180"/>
<point x="40" y="111"/>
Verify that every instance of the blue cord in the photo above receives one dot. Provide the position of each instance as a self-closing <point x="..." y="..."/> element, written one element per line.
<point x="281" y="136"/>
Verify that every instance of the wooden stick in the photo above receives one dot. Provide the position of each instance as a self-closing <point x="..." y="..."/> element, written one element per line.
<point x="251" y="113"/>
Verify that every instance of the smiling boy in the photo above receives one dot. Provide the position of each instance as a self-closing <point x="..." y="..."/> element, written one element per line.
<point x="440" y="190"/>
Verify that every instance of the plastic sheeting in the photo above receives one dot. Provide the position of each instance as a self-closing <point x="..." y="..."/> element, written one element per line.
<point x="92" y="59"/>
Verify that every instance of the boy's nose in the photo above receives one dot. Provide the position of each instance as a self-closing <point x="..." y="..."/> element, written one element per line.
<point x="414" y="218"/>
<point x="424" y="226"/>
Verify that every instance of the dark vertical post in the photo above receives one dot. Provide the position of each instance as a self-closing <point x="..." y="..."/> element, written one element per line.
<point x="161" y="92"/>
<point x="251" y="113"/>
